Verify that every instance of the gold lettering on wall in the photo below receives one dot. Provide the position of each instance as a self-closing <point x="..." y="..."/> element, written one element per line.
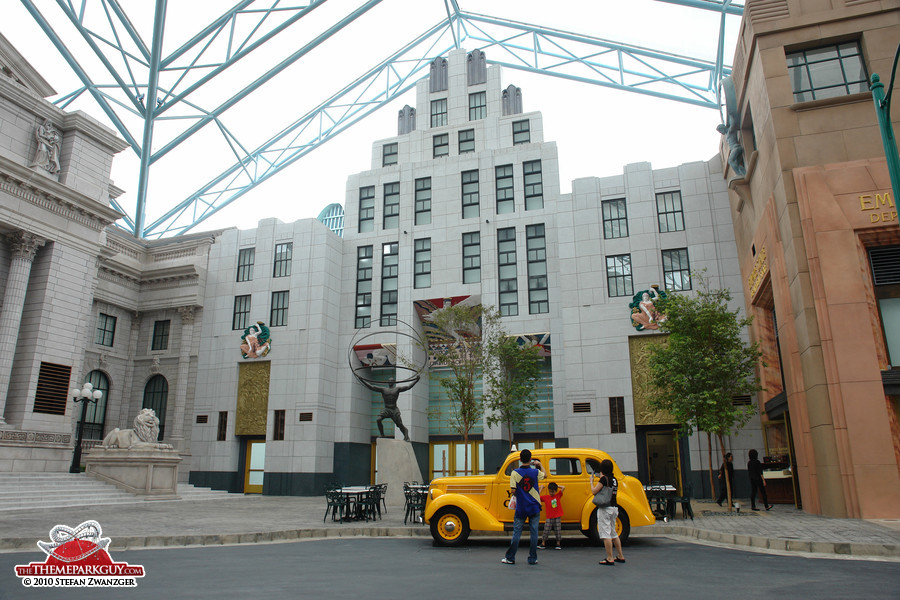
<point x="641" y="387"/>
<point x="759" y="272"/>
<point x="878" y="206"/>
<point x="252" y="398"/>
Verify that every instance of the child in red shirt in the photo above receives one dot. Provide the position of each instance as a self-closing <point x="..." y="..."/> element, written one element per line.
<point x="553" y="501"/>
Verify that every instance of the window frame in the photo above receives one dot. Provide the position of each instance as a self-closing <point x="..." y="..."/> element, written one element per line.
<point x="467" y="207"/>
<point x="391" y="205"/>
<point x="504" y="178"/>
<point x="439" y="112"/>
<point x="534" y="189"/>
<point x="617" y="421"/>
<point x="106" y="330"/>
<point x="366" y="209"/>
<point x="468" y="141"/>
<point x="669" y="218"/>
<point x="684" y="272"/>
<point x="363" y="296"/>
<point x="422" y="201"/>
<point x="278" y="311"/>
<point x="518" y="135"/>
<point x="440" y="145"/>
<point x="281" y="266"/>
<point x="388" y="152"/>
<point x="507" y="281"/>
<point x="536" y="250"/>
<point x="469" y="258"/>
<point x="240" y="318"/>
<point x="422" y="263"/>
<point x="800" y="67"/>
<point x="618" y="279"/>
<point x="613" y="224"/>
<point x="477" y="105"/>
<point x="390" y="292"/>
<point x="160" y="339"/>
<point x="246" y="260"/>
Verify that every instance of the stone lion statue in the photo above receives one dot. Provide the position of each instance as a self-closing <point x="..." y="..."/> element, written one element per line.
<point x="144" y="435"/>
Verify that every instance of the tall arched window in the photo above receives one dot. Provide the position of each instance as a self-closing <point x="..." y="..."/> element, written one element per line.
<point x="156" y="396"/>
<point x="95" y="415"/>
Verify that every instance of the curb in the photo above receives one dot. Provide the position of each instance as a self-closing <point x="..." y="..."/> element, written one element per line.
<point x="778" y="544"/>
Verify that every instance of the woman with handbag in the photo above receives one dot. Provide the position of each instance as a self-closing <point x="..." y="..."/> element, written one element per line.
<point x="607" y="512"/>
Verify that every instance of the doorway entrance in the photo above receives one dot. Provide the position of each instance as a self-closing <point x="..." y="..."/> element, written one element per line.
<point x="663" y="460"/>
<point x="254" y="466"/>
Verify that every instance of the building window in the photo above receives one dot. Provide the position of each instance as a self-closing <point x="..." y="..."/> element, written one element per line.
<point x="279" y="312"/>
<point x="390" y="259"/>
<point x="477" y="106"/>
<point x="466" y="141"/>
<point x="676" y="269"/>
<point x="470" y="206"/>
<point x="618" y="275"/>
<point x="471" y="253"/>
<point x="423" y="201"/>
<point x="160" y="335"/>
<point x="615" y="219"/>
<point x="367" y="209"/>
<point x="534" y="186"/>
<point x="827" y="71"/>
<point x="156" y="398"/>
<point x="439" y="112"/>
<point x="363" y="286"/>
<point x="617" y="414"/>
<point x="283" y="253"/>
<point x="106" y="330"/>
<point x="538" y="296"/>
<point x="95" y="412"/>
<point x="389" y="155"/>
<point x="669" y="212"/>
<point x="506" y="260"/>
<point x="521" y="132"/>
<point x="278" y="427"/>
<point x="241" y="315"/>
<point x="441" y="145"/>
<point x="391" y="206"/>
<point x="505" y="200"/>
<point x="246" y="258"/>
<point x="423" y="263"/>
<point x="222" y="429"/>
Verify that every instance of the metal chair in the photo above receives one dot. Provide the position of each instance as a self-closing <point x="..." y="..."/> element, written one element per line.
<point x="415" y="505"/>
<point x="337" y="504"/>
<point x="685" y="502"/>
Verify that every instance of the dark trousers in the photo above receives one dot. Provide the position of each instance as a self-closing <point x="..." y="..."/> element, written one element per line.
<point x="723" y="492"/>
<point x="757" y="486"/>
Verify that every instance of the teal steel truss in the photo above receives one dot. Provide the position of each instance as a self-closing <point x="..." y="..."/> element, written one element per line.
<point x="144" y="87"/>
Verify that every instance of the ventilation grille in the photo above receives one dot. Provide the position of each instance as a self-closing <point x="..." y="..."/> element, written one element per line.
<point x="472" y="490"/>
<point x="741" y="401"/>
<point x="52" y="389"/>
<point x="885" y="265"/>
<point x="766" y="10"/>
<point x="202" y="419"/>
<point x="305" y="417"/>
<point x="581" y="407"/>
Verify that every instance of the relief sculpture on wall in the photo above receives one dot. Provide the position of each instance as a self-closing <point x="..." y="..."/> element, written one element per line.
<point x="641" y="386"/>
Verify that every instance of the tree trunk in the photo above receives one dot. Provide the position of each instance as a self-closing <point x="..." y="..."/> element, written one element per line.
<point x="712" y="486"/>
<point x="725" y="472"/>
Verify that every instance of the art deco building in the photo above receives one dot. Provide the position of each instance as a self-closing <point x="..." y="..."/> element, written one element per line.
<point x="818" y="241"/>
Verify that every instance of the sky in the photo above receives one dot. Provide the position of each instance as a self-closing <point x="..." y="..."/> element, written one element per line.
<point x="597" y="130"/>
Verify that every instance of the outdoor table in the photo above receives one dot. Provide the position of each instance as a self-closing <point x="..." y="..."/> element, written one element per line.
<point x="659" y="497"/>
<point x="355" y="495"/>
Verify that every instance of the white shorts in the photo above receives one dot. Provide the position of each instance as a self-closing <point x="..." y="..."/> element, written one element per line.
<point x="606" y="522"/>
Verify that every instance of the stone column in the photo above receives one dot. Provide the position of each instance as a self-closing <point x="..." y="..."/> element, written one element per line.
<point x="184" y="369"/>
<point x="24" y="246"/>
<point x="127" y="408"/>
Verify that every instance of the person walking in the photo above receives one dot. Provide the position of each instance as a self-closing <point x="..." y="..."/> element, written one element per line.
<point x="553" y="521"/>
<point x="757" y="483"/>
<point x="606" y="516"/>
<point x="524" y="481"/>
<point x="727" y="467"/>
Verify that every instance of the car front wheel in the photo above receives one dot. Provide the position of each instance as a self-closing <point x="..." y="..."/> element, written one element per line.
<point x="450" y="526"/>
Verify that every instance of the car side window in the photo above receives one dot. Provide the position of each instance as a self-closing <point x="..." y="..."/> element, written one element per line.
<point x="511" y="467"/>
<point x="593" y="465"/>
<point x="564" y="466"/>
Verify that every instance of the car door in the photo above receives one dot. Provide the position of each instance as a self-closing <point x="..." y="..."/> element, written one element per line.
<point x="567" y="470"/>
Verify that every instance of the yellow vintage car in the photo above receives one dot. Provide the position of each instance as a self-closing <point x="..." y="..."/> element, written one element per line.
<point x="456" y="506"/>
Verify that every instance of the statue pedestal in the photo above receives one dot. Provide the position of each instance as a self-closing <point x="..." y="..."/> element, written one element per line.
<point x="144" y="471"/>
<point x="396" y="464"/>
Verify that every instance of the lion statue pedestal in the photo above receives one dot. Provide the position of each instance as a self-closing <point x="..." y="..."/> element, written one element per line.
<point x="135" y="461"/>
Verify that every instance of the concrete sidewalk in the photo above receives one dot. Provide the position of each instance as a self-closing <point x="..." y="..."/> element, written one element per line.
<point x="260" y="519"/>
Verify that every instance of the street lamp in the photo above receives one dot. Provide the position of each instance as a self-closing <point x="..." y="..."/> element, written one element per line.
<point x="883" y="111"/>
<point x="84" y="395"/>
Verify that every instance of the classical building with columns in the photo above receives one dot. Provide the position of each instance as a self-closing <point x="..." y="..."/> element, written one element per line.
<point x="81" y="300"/>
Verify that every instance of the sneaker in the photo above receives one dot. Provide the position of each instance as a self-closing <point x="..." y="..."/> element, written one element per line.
<point x="533" y="563"/>
<point x="719" y="503"/>
<point x="768" y="507"/>
<point x="506" y="561"/>
<point x="541" y="547"/>
<point x="559" y="547"/>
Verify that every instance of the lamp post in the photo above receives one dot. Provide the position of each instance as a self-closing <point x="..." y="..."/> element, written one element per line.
<point x="84" y="395"/>
<point x="883" y="111"/>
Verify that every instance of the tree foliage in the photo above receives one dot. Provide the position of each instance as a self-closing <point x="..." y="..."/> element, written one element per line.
<point x="704" y="364"/>
<point x="511" y="377"/>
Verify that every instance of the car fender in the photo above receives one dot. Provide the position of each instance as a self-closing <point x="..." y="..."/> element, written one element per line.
<point x="479" y="518"/>
<point x="636" y="515"/>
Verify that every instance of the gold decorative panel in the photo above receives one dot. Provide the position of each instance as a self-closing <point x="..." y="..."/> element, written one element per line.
<point x="641" y="387"/>
<point x="252" y="398"/>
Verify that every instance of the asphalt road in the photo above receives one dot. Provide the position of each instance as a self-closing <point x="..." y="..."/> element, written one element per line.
<point x="374" y="568"/>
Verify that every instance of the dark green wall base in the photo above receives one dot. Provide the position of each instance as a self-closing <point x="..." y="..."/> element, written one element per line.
<point x="217" y="480"/>
<point x="296" y="484"/>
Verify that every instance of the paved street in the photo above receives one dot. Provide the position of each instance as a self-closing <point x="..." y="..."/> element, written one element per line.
<point x="375" y="568"/>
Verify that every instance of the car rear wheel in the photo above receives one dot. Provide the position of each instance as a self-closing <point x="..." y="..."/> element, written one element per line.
<point x="450" y="526"/>
<point x="623" y="528"/>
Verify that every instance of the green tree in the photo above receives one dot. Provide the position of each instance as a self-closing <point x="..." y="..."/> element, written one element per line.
<point x="704" y="364"/>
<point x="511" y="375"/>
<point x="463" y="354"/>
